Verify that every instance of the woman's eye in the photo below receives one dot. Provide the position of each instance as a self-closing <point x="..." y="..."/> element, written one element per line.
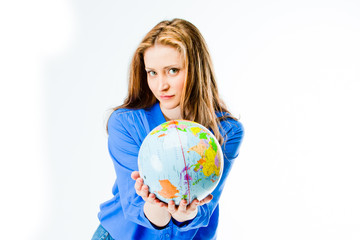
<point x="173" y="71"/>
<point x="151" y="73"/>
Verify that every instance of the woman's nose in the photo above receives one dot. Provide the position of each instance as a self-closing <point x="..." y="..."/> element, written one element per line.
<point x="163" y="83"/>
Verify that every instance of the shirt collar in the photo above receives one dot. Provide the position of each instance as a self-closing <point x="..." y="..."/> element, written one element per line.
<point x="155" y="116"/>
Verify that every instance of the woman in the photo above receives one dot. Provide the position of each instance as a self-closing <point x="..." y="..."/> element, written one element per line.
<point x="171" y="77"/>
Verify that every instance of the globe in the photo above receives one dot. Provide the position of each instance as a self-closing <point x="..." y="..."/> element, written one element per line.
<point x="180" y="159"/>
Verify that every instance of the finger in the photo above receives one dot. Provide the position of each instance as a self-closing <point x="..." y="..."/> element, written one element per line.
<point x="163" y="205"/>
<point x="138" y="184"/>
<point x="144" y="192"/>
<point x="206" y="200"/>
<point x="171" y="207"/>
<point x="193" y="205"/>
<point x="135" y="175"/>
<point x="152" y="198"/>
<point x="182" y="206"/>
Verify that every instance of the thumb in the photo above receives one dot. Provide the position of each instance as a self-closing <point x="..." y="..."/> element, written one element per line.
<point x="206" y="200"/>
<point x="135" y="175"/>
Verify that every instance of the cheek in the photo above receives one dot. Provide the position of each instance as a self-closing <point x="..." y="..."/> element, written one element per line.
<point x="180" y="86"/>
<point x="180" y="83"/>
<point x="151" y="85"/>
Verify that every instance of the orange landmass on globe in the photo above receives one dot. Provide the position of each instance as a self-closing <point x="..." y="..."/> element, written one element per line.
<point x="162" y="135"/>
<point x="168" y="190"/>
<point x="201" y="161"/>
<point x="199" y="149"/>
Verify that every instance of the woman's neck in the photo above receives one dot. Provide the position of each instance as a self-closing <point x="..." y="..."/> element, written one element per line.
<point x="171" y="114"/>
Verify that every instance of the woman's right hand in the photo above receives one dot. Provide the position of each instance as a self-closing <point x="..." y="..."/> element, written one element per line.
<point x="143" y="191"/>
<point x="154" y="209"/>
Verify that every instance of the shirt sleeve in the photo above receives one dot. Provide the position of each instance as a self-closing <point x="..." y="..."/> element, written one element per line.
<point x="233" y="136"/>
<point x="123" y="149"/>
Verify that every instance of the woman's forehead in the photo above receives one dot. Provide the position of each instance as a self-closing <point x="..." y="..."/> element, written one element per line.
<point x="162" y="55"/>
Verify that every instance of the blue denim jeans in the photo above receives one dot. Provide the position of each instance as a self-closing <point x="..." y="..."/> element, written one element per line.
<point x="101" y="234"/>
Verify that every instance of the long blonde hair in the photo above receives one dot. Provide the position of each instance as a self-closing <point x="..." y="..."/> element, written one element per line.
<point x="200" y="98"/>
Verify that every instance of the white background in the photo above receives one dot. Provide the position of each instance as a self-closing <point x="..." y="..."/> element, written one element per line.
<point x="291" y="69"/>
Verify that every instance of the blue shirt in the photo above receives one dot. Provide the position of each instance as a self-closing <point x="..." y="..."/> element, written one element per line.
<point x="123" y="216"/>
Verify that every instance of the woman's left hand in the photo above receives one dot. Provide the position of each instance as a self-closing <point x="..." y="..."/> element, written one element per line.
<point x="185" y="212"/>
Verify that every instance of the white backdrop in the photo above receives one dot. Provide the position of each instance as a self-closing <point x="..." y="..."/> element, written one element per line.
<point x="290" y="69"/>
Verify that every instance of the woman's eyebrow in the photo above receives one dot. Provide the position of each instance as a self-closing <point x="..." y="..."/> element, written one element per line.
<point x="166" y="67"/>
<point x="173" y="66"/>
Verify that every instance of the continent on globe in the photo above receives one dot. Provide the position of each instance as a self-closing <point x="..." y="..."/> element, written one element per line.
<point x="209" y="166"/>
<point x="199" y="148"/>
<point x="168" y="190"/>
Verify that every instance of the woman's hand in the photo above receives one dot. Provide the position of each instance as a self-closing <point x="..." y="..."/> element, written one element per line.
<point x="154" y="209"/>
<point x="143" y="190"/>
<point x="158" y="212"/>
<point x="185" y="212"/>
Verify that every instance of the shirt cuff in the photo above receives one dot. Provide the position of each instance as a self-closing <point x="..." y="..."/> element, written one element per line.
<point x="181" y="224"/>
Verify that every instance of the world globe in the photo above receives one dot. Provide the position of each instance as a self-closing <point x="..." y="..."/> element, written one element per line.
<point x="180" y="159"/>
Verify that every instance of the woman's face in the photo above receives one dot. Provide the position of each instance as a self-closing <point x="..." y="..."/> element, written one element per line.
<point x="166" y="75"/>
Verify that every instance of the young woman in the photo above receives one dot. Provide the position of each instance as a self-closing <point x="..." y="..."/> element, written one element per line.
<point x="171" y="77"/>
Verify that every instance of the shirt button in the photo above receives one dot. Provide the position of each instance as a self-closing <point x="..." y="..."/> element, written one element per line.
<point x="167" y="235"/>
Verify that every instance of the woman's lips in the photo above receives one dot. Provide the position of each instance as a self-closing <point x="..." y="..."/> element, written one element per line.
<point x="166" y="97"/>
